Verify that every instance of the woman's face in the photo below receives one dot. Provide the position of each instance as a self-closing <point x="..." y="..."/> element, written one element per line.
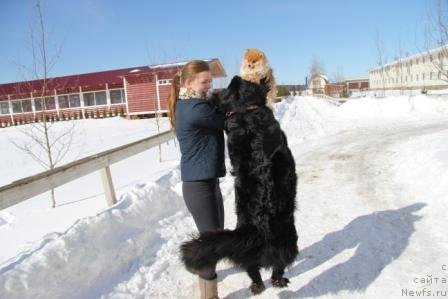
<point x="201" y="83"/>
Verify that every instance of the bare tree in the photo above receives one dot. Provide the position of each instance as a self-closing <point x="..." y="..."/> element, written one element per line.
<point x="399" y="67"/>
<point x="436" y="35"/>
<point x="317" y="67"/>
<point x="46" y="144"/>
<point x="157" y="55"/>
<point x="338" y="75"/>
<point x="381" y="60"/>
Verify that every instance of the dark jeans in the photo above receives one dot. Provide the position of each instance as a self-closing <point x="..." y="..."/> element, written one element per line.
<point x="204" y="201"/>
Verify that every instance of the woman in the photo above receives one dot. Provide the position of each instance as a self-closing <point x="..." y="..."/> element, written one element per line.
<point x="199" y="129"/>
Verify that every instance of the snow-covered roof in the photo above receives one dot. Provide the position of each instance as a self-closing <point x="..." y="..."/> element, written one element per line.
<point x="170" y="65"/>
<point x="356" y="79"/>
<point x="215" y="65"/>
<point x="319" y="75"/>
<point x="432" y="51"/>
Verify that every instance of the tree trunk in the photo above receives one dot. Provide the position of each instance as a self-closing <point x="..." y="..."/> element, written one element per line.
<point x="53" y="199"/>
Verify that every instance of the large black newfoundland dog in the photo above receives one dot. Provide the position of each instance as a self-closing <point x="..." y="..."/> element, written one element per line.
<point x="265" y="191"/>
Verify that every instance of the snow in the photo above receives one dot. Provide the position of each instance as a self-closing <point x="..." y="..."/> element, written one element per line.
<point x="84" y="196"/>
<point x="177" y="64"/>
<point x="372" y="198"/>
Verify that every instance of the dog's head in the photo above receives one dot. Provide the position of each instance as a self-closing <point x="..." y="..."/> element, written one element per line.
<point x="254" y="62"/>
<point x="240" y="94"/>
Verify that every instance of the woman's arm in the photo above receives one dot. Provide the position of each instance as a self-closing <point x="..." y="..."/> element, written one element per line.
<point x="206" y="115"/>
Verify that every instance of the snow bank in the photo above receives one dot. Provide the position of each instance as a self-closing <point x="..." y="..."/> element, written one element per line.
<point x="396" y="106"/>
<point x="101" y="249"/>
<point x="422" y="158"/>
<point x="306" y="117"/>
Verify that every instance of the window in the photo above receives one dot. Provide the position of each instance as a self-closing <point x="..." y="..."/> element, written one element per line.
<point x="74" y="100"/>
<point x="63" y="102"/>
<point x="4" y="108"/>
<point x="16" y="107"/>
<point x="38" y="104"/>
<point x="164" y="82"/>
<point x="430" y="58"/>
<point x="423" y="76"/>
<point x="430" y="75"/>
<point x="100" y="98"/>
<point x="50" y="103"/>
<point x="89" y="99"/>
<point x="95" y="98"/>
<point x="26" y="106"/>
<point x="440" y="75"/>
<point x="116" y="96"/>
<point x="416" y="77"/>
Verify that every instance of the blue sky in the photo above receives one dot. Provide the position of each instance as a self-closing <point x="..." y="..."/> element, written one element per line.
<point x="97" y="35"/>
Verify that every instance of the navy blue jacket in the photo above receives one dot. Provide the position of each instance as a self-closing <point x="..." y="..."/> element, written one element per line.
<point x="199" y="129"/>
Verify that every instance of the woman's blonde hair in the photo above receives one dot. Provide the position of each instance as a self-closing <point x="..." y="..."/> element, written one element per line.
<point x="189" y="71"/>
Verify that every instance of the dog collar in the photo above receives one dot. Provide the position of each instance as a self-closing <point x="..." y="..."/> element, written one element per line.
<point x="248" y="108"/>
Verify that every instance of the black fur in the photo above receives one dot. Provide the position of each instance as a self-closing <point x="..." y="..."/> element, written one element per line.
<point x="265" y="191"/>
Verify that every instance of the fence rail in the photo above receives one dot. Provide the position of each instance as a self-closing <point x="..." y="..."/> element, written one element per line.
<point x="26" y="188"/>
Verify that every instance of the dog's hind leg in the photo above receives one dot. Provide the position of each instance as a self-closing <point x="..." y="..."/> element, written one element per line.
<point x="277" y="278"/>
<point x="257" y="285"/>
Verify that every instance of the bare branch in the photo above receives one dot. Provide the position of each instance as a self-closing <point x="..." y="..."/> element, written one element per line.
<point x="317" y="67"/>
<point x="28" y="150"/>
<point x="65" y="148"/>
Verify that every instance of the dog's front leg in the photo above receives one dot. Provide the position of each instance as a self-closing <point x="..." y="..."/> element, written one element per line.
<point x="257" y="285"/>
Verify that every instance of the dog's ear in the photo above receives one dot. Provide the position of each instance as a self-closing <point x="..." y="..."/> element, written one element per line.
<point x="235" y="83"/>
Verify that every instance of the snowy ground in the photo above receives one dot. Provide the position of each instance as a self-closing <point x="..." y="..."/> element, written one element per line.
<point x="28" y="223"/>
<point x="372" y="198"/>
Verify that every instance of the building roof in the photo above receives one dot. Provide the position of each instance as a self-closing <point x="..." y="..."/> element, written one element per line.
<point x="70" y="82"/>
<point x="432" y="51"/>
<point x="356" y="79"/>
<point x="102" y="78"/>
<point x="319" y="75"/>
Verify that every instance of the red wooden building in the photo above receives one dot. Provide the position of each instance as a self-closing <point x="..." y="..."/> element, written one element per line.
<point x="354" y="85"/>
<point x="335" y="90"/>
<point x="131" y="91"/>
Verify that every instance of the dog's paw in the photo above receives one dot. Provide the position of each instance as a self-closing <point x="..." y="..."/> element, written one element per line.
<point x="280" y="283"/>
<point x="257" y="288"/>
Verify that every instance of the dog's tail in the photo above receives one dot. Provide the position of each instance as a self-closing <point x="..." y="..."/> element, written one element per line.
<point x="239" y="246"/>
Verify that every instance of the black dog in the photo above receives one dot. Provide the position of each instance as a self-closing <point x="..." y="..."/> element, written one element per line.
<point x="265" y="191"/>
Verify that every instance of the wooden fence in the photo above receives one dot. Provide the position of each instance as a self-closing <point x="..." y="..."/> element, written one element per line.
<point x="26" y="188"/>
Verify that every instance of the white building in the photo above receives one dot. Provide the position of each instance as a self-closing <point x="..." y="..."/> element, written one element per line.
<point x="426" y="70"/>
<point x="317" y="83"/>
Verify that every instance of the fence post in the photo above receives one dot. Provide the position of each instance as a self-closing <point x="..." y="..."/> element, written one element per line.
<point x="108" y="186"/>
